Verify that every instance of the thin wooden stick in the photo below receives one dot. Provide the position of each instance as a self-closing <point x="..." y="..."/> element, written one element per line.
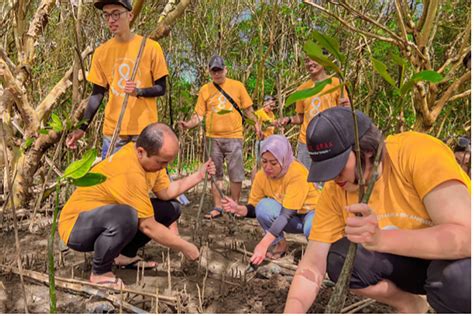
<point x="125" y="100"/>
<point x="357" y="306"/>
<point x="15" y="224"/>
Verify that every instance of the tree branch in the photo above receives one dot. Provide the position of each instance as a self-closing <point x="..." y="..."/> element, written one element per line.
<point x="460" y="95"/>
<point x="428" y="23"/>
<point x="137" y="8"/>
<point x="59" y="89"/>
<point x="163" y="28"/>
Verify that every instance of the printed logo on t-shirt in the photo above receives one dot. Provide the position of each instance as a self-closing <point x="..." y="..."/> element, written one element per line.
<point x="314" y="107"/>
<point x="122" y="71"/>
<point x="218" y="102"/>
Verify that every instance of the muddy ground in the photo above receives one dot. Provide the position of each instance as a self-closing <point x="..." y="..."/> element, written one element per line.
<point x="218" y="283"/>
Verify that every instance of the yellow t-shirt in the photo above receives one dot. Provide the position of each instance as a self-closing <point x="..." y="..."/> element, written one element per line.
<point x="311" y="106"/>
<point x="416" y="163"/>
<point x="263" y="116"/>
<point x="210" y="101"/>
<point x="112" y="64"/>
<point x="127" y="183"/>
<point x="292" y="191"/>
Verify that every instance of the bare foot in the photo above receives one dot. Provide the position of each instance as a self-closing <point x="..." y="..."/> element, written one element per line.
<point x="419" y="305"/>
<point x="278" y="250"/>
<point x="107" y="279"/>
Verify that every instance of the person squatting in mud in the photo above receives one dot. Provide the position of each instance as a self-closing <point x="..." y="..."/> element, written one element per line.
<point x="280" y="198"/>
<point x="117" y="217"/>
<point x="414" y="235"/>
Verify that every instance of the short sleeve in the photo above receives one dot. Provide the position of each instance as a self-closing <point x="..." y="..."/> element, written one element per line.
<point x="245" y="100"/>
<point x="200" y="107"/>
<point x="96" y="73"/>
<point x="328" y="222"/>
<point x="257" y="192"/>
<point x="159" y="66"/>
<point x="417" y="153"/>
<point x="131" y="189"/>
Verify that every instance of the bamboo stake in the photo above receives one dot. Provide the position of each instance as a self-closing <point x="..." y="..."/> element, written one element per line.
<point x="15" y="225"/>
<point x="125" y="100"/>
<point x="336" y="302"/>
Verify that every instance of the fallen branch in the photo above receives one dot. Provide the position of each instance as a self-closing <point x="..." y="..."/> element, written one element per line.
<point x="351" y="309"/>
<point x="84" y="286"/>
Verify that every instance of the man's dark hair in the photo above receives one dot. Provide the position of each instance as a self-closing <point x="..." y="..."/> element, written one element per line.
<point x="369" y="143"/>
<point x="151" y="138"/>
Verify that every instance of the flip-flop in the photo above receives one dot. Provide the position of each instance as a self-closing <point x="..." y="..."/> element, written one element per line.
<point x="138" y="263"/>
<point x="210" y="216"/>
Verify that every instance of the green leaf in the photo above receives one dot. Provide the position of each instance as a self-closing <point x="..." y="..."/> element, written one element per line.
<point x="306" y="93"/>
<point x="222" y="112"/>
<point x="398" y="60"/>
<point x="425" y="75"/>
<point x="44" y="131"/>
<point x="330" y="44"/>
<point x="28" y="142"/>
<point x="315" y="53"/>
<point x="381" y="68"/>
<point x="79" y="168"/>
<point x="56" y="123"/>
<point x="338" y="87"/>
<point x="89" y="179"/>
<point x="249" y="121"/>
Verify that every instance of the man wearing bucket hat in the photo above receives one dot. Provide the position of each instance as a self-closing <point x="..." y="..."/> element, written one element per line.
<point x="414" y="234"/>
<point x="111" y="70"/>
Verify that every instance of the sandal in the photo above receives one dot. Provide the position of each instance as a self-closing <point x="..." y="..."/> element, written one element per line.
<point x="138" y="262"/>
<point x="210" y="216"/>
<point x="274" y="255"/>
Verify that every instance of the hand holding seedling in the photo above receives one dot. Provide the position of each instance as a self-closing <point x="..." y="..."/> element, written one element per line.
<point x="362" y="228"/>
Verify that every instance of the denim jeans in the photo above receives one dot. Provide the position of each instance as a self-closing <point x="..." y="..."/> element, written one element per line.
<point x="121" y="141"/>
<point x="267" y="210"/>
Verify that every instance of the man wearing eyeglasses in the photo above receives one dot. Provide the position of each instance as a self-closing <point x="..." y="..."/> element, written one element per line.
<point x="110" y="72"/>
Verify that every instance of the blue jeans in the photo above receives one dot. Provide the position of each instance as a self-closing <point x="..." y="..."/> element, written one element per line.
<point x="121" y="141"/>
<point x="267" y="211"/>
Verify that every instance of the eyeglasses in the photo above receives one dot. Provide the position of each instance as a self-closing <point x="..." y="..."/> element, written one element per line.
<point x="114" y="15"/>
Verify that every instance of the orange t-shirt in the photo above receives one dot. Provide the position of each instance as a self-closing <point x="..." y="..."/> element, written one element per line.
<point x="263" y="116"/>
<point x="415" y="164"/>
<point x="292" y="191"/>
<point x="112" y="64"/>
<point x="311" y="106"/>
<point x="211" y="101"/>
<point x="127" y="183"/>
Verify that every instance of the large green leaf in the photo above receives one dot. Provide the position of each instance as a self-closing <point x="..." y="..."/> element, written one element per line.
<point x="56" y="123"/>
<point x="425" y="75"/>
<point x="338" y="87"/>
<point x="330" y="44"/>
<point x="398" y="60"/>
<point x="315" y="52"/>
<point x="306" y="93"/>
<point x="89" y="179"/>
<point x="381" y="68"/>
<point x="79" y="168"/>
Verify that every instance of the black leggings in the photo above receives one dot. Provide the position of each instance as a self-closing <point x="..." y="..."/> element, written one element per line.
<point x="446" y="283"/>
<point x="113" y="229"/>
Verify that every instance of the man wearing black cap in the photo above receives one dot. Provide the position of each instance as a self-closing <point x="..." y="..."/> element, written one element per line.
<point x="414" y="234"/>
<point x="221" y="101"/>
<point x="111" y="70"/>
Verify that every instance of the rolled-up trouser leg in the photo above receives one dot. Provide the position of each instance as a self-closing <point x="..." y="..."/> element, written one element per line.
<point x="104" y="230"/>
<point x="408" y="274"/>
<point x="448" y="286"/>
<point x="166" y="213"/>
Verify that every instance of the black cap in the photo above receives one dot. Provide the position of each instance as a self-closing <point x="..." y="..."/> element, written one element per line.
<point x="127" y="4"/>
<point x="216" y="61"/>
<point x="330" y="137"/>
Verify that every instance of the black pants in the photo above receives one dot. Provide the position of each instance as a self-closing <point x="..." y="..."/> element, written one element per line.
<point x="113" y="229"/>
<point x="446" y="283"/>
